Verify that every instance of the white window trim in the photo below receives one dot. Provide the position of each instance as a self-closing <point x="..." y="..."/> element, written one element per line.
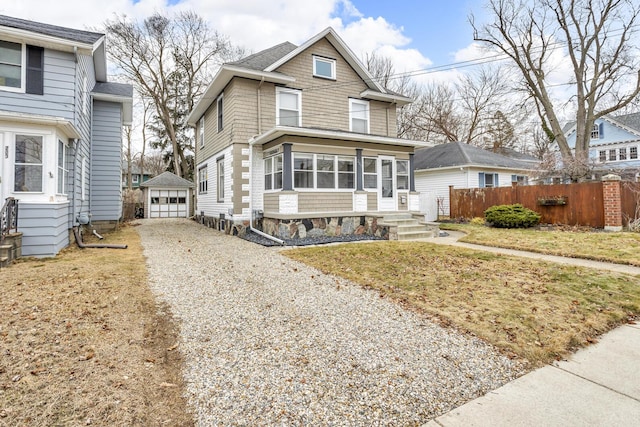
<point x="595" y="131"/>
<point x="330" y="61"/>
<point x="274" y="171"/>
<point x="220" y="179"/>
<point x="43" y="162"/>
<point x="203" y="184"/>
<point x="361" y="102"/>
<point x="336" y="172"/>
<point x="375" y="174"/>
<point x="408" y="174"/>
<point x="296" y="92"/>
<point x="23" y="71"/>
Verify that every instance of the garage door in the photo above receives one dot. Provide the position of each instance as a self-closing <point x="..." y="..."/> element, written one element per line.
<point x="168" y="204"/>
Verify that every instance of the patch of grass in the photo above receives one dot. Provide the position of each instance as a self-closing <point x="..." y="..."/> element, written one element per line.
<point x="620" y="248"/>
<point x="83" y="342"/>
<point x="536" y="310"/>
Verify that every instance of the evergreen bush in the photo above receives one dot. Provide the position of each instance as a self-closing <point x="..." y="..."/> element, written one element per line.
<point x="511" y="216"/>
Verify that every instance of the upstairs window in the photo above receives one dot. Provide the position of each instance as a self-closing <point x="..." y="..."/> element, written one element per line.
<point x="324" y="67"/>
<point x="21" y="68"/>
<point x="10" y="65"/>
<point x="603" y="155"/>
<point x="201" y="131"/>
<point x="288" y="107"/>
<point x="633" y="153"/>
<point x="220" y="109"/>
<point x="358" y="116"/>
<point x="622" y="153"/>
<point x="595" y="132"/>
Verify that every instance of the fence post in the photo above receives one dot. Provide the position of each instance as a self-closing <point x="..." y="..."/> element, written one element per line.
<point x="453" y="203"/>
<point x="612" y="203"/>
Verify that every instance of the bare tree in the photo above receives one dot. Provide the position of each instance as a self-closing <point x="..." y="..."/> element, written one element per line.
<point x="155" y="163"/>
<point x="128" y="154"/>
<point x="595" y="36"/>
<point x="170" y="60"/>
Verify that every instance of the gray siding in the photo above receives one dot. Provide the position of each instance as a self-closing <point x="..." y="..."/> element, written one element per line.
<point x="44" y="228"/>
<point x="106" y="158"/>
<point x="58" y="97"/>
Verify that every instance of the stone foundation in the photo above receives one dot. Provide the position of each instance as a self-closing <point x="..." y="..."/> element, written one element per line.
<point x="302" y="228"/>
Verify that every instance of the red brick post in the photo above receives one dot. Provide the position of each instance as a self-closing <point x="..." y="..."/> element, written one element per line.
<point x="612" y="203"/>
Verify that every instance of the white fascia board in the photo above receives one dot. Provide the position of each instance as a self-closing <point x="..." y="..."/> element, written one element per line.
<point x="386" y="97"/>
<point x="280" y="131"/>
<point x="341" y="47"/>
<point x="99" y="55"/>
<point x="51" y="42"/>
<point x="63" y="125"/>
<point x="220" y="81"/>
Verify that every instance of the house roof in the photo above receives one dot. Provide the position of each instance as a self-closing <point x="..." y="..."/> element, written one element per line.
<point x="263" y="66"/>
<point x="457" y="154"/>
<point x="71" y="34"/>
<point x="59" y="38"/>
<point x="630" y="120"/>
<point x="168" y="180"/>
<point x="261" y="60"/>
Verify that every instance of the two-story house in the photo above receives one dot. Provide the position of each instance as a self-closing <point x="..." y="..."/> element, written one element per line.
<point x="301" y="140"/>
<point x="60" y="131"/>
<point x="614" y="145"/>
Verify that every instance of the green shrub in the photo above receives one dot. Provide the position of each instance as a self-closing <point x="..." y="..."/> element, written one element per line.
<point x="511" y="216"/>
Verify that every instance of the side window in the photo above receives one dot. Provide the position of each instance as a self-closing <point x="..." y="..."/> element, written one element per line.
<point x="62" y="170"/>
<point x="402" y="174"/>
<point x="288" y="107"/>
<point x="220" y="165"/>
<point x="203" y="180"/>
<point x="220" y="110"/>
<point x="201" y="131"/>
<point x="358" y="116"/>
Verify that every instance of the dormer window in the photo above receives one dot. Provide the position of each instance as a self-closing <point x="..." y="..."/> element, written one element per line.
<point x="324" y="67"/>
<point x="597" y="132"/>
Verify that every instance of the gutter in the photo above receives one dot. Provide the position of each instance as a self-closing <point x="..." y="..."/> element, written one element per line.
<point x="258" y="232"/>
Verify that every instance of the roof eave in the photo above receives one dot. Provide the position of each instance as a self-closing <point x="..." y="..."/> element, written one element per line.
<point x="386" y="97"/>
<point x="280" y="131"/>
<point x="223" y="77"/>
<point x="126" y="101"/>
<point x="64" y="125"/>
<point x="44" y="40"/>
<point x="474" y="165"/>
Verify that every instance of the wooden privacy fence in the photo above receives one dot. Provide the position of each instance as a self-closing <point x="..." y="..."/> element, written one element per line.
<point x="571" y="204"/>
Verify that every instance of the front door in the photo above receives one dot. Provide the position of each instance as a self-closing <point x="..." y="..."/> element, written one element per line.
<point x="387" y="193"/>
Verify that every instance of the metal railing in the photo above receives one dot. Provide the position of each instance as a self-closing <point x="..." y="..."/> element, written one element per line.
<point x="8" y="217"/>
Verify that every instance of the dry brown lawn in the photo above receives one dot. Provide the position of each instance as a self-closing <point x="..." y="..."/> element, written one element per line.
<point x="84" y="343"/>
<point x="533" y="310"/>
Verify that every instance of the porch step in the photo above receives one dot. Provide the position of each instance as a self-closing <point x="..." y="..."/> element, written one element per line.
<point x="4" y="261"/>
<point x="409" y="228"/>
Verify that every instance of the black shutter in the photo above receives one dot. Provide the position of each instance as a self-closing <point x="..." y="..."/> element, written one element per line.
<point x="35" y="70"/>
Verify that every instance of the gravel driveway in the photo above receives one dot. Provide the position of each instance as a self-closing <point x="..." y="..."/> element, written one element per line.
<point x="270" y="341"/>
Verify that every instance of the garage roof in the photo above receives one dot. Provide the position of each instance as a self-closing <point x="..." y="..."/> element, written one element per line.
<point x="168" y="180"/>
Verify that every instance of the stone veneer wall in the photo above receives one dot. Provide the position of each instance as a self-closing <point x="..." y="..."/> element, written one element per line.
<point x="302" y="228"/>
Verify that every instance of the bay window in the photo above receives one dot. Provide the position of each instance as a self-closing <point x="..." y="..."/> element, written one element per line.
<point x="273" y="173"/>
<point x="28" y="163"/>
<point x="62" y="170"/>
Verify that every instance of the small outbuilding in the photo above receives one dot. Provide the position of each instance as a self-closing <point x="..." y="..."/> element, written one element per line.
<point x="168" y="196"/>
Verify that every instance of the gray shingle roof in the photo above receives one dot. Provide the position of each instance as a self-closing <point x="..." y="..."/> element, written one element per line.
<point x="116" y="89"/>
<point x="50" y="30"/>
<point x="261" y="60"/>
<point x="630" y="120"/>
<point x="168" y="180"/>
<point x="460" y="154"/>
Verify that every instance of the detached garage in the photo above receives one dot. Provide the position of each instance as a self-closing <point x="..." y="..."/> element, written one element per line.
<point x="167" y="196"/>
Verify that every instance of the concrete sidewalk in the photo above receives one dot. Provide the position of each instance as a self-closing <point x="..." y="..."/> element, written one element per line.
<point x="452" y="239"/>
<point x="597" y="386"/>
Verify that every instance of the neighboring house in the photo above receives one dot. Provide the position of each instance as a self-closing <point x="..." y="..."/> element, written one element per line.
<point x="60" y="131"/>
<point x="137" y="177"/>
<point x="614" y="145"/>
<point x="167" y="196"/>
<point x="464" y="166"/>
<point x="297" y="136"/>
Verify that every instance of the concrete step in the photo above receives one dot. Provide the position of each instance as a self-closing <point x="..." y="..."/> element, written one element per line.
<point x="4" y="261"/>
<point x="410" y="228"/>
<point x="414" y="235"/>
<point x="397" y="217"/>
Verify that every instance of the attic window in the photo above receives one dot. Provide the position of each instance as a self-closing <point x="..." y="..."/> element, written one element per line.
<point x="324" y="67"/>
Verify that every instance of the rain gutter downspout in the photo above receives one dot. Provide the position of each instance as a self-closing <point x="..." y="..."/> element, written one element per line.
<point x="258" y="232"/>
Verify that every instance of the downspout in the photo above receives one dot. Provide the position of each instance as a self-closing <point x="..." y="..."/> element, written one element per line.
<point x="258" y="232"/>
